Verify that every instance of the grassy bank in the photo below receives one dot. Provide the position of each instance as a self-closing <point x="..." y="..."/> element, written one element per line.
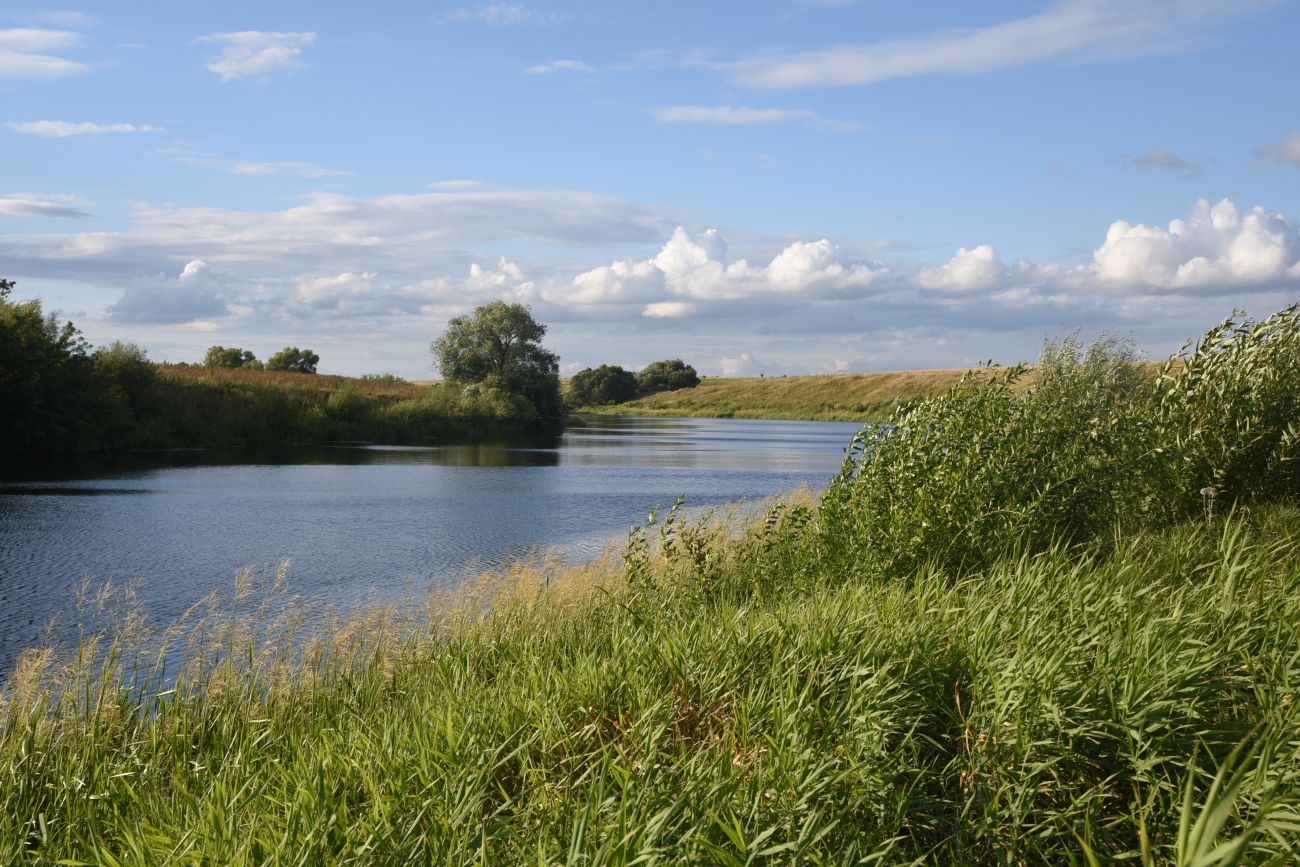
<point x="828" y="397"/>
<point x="198" y="406"/>
<point x="1052" y="621"/>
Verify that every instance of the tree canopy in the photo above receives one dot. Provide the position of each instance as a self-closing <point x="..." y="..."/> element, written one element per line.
<point x="294" y="359"/>
<point x="220" y="356"/>
<point x="499" y="347"/>
<point x="602" y="386"/>
<point x="668" y="375"/>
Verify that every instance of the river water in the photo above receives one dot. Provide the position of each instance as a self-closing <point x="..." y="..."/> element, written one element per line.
<point x="372" y="522"/>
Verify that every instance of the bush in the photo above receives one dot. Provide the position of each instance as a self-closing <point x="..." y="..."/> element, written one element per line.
<point x="602" y="386"/>
<point x="668" y="375"/>
<point x="293" y="359"/>
<point x="220" y="356"/>
<point x="1088" y="447"/>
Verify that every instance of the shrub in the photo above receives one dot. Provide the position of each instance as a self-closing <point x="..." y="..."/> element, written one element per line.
<point x="668" y="375"/>
<point x="602" y="386"/>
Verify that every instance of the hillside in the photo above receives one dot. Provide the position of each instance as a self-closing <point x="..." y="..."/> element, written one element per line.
<point x="824" y="397"/>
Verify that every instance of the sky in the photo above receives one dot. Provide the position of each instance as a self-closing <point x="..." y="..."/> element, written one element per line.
<point x="774" y="186"/>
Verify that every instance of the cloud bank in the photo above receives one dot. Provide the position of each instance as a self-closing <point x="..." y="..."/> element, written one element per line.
<point x="401" y="265"/>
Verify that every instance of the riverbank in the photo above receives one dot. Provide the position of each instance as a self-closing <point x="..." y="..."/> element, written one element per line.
<point x="857" y="397"/>
<point x="1051" y="622"/>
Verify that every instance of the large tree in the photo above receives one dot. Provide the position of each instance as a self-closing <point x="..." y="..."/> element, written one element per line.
<point x="499" y="346"/>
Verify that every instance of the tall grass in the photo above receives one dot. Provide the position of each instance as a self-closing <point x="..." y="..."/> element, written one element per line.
<point x="1009" y="633"/>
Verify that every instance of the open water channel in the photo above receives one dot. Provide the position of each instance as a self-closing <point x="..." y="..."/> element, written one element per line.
<point x="371" y="523"/>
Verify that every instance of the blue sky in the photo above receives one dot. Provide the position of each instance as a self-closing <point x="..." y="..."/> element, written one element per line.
<point x="782" y="187"/>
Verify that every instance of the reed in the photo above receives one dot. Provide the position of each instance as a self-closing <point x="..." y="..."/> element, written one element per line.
<point x="1065" y="658"/>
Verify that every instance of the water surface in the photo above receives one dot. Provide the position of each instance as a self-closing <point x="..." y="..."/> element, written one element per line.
<point x="372" y="522"/>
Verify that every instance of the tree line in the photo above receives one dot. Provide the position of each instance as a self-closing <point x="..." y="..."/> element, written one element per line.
<point x="63" y="400"/>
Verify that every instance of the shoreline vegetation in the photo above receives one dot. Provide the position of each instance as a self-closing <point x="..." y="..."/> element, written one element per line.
<point x="1047" y="619"/>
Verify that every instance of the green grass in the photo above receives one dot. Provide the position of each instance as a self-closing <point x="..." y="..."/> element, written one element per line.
<point x="1046" y="707"/>
<point x="1011" y="631"/>
<point x="827" y="397"/>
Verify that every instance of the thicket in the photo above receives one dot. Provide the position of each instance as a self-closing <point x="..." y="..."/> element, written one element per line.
<point x="63" y="402"/>
<point x="1053" y="623"/>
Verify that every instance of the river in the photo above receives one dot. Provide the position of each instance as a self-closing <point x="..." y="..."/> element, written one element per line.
<point x="369" y="523"/>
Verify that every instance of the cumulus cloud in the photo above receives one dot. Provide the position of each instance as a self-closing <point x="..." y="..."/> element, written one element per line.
<point x="966" y="271"/>
<point x="256" y="52"/>
<point x="401" y="265"/>
<point x="736" y="115"/>
<point x="64" y="129"/>
<point x="35" y="205"/>
<point x="1164" y="159"/>
<point x="1073" y="30"/>
<point x="1217" y="248"/>
<point x="695" y="268"/>
<point x="560" y="66"/>
<point x="29" y="52"/>
<point x="1285" y="151"/>
<point x="193" y="295"/>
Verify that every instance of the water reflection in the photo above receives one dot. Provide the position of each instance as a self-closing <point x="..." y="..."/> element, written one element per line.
<point x="362" y="521"/>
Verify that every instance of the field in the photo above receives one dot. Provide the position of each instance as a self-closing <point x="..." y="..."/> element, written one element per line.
<point x="825" y="397"/>
<point x="1048" y="619"/>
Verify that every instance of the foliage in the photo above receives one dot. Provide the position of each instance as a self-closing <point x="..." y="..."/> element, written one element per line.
<point x="293" y="359"/>
<point x="1039" y="650"/>
<point x="602" y="386"/>
<point x="1051" y="709"/>
<point x="48" y="392"/>
<point x="668" y="375"/>
<point x="1089" y="446"/>
<point x="220" y="356"/>
<point x="498" y="348"/>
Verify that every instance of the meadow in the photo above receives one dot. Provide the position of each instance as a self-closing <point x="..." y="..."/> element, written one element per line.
<point x="817" y="397"/>
<point x="1033" y="620"/>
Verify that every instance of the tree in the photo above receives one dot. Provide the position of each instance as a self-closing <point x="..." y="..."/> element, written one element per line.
<point x="668" y="375"/>
<point x="50" y="398"/>
<point x="220" y="356"/>
<point x="294" y="359"/>
<point x="499" y="347"/>
<point x="602" y="386"/>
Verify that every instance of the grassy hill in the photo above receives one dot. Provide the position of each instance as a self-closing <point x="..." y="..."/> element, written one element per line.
<point x="825" y="397"/>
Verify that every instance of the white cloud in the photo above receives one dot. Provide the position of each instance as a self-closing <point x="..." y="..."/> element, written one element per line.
<point x="256" y="52"/>
<point x="1216" y="249"/>
<point x="336" y="267"/>
<point x="36" y="205"/>
<point x="695" y="268"/>
<point x="1072" y="30"/>
<point x="500" y="15"/>
<point x="27" y="52"/>
<point x="1285" y="151"/>
<point x="966" y="271"/>
<point x="64" y="129"/>
<point x="455" y="184"/>
<point x="560" y="66"/>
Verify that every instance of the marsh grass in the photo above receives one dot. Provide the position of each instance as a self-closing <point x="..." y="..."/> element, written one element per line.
<point x="1006" y="634"/>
